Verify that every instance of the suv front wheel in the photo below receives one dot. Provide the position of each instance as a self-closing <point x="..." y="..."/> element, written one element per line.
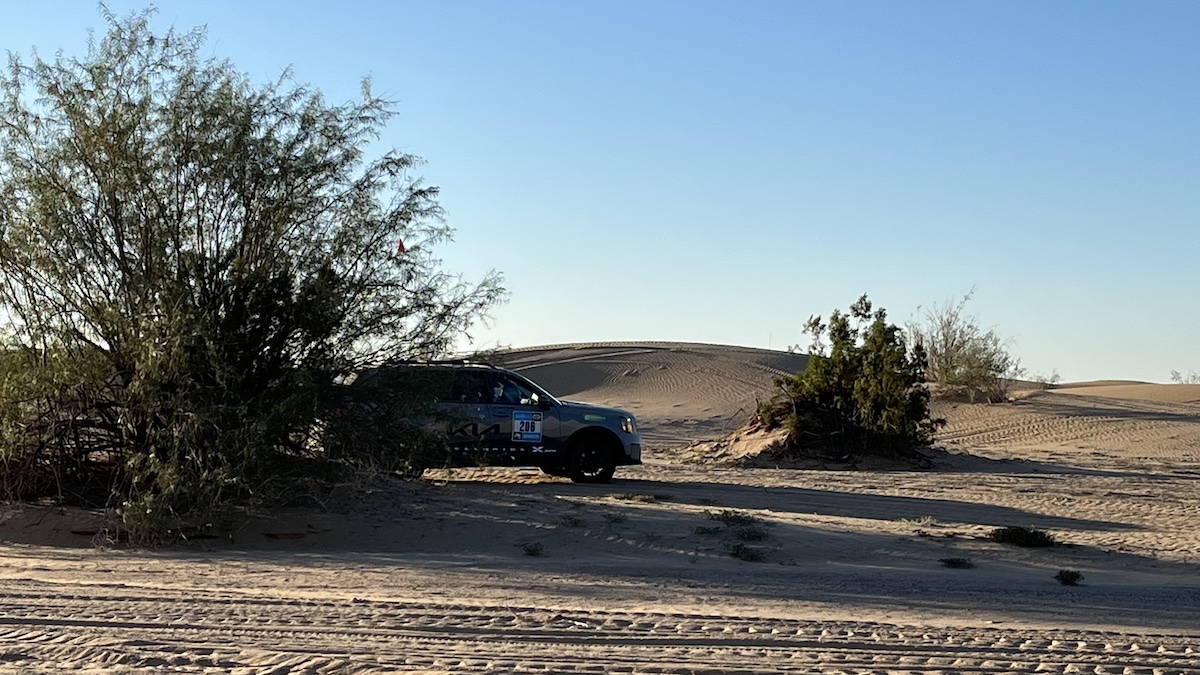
<point x="591" y="461"/>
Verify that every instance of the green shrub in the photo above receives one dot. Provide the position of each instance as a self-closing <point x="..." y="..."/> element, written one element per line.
<point x="962" y="357"/>
<point x="860" y="394"/>
<point x="746" y="552"/>
<point x="750" y="533"/>
<point x="189" y="259"/>
<point x="1068" y="577"/>
<point x="734" y="518"/>
<point x="1026" y="537"/>
<point x="571" y="520"/>
<point x="957" y="563"/>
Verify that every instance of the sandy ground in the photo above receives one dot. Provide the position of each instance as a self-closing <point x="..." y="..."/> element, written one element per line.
<point x="510" y="571"/>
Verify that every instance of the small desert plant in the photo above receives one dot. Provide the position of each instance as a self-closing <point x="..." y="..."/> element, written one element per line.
<point x="1047" y="381"/>
<point x="750" y="532"/>
<point x="747" y="553"/>
<point x="734" y="518"/>
<point x="923" y="521"/>
<point x="571" y="520"/>
<point x="533" y="548"/>
<point x="630" y="497"/>
<point x="962" y="356"/>
<point x="707" y="530"/>
<point x="957" y="563"/>
<point x="614" y="518"/>
<point x="1027" y="537"/>
<point x="1068" y="577"/>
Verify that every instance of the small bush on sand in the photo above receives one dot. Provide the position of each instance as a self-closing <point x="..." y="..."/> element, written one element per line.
<point x="1027" y="537"/>
<point x="750" y="533"/>
<point x="630" y="497"/>
<point x="964" y="359"/>
<point x="1068" y="577"/>
<point x="533" y="548"/>
<point x="862" y="394"/>
<point x="747" y="553"/>
<point x="1179" y="378"/>
<point x="957" y="563"/>
<point x="734" y="518"/>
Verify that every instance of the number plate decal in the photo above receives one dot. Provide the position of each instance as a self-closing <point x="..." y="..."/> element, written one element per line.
<point x="527" y="426"/>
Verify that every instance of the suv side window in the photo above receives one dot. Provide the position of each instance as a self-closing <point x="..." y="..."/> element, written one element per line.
<point x="508" y="392"/>
<point x="468" y="387"/>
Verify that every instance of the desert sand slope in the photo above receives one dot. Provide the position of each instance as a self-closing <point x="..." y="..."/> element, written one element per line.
<point x="1144" y="391"/>
<point x="679" y="391"/>
<point x="674" y="568"/>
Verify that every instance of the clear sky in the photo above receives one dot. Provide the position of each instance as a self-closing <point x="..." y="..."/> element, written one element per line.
<point x="718" y="171"/>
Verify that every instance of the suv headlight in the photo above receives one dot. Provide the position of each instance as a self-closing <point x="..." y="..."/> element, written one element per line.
<point x="628" y="426"/>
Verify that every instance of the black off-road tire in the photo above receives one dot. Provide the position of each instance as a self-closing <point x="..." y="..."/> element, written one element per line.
<point x="591" y="461"/>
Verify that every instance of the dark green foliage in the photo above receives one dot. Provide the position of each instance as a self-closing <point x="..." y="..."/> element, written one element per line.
<point x="187" y="261"/>
<point x="571" y="520"/>
<point x="1027" y="537"/>
<point x="863" y="394"/>
<point x="750" y="533"/>
<point x="746" y="552"/>
<point x="957" y="563"/>
<point x="1068" y="577"/>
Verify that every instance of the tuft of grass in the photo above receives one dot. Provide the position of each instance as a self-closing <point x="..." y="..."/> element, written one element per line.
<point x="957" y="563"/>
<point x="1027" y="537"/>
<point x="630" y="497"/>
<point x="734" y="518"/>
<point x="571" y="520"/>
<point x="923" y="521"/>
<point x="614" y="518"/>
<point x="1068" y="577"/>
<point x="753" y="532"/>
<point x="746" y="552"/>
<point x="533" y="548"/>
<point x="707" y="530"/>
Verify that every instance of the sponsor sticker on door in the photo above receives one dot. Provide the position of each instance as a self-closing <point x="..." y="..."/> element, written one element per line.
<point x="527" y="426"/>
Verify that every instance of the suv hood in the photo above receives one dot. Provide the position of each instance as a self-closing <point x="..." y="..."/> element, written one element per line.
<point x="590" y="409"/>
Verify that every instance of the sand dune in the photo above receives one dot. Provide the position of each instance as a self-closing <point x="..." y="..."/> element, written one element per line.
<point x="680" y="392"/>
<point x="638" y="576"/>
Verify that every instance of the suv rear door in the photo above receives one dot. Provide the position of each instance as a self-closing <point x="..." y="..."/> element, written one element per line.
<point x="466" y="411"/>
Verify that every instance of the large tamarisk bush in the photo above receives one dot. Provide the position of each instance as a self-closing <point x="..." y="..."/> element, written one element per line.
<point x="188" y="260"/>
<point x="862" y="392"/>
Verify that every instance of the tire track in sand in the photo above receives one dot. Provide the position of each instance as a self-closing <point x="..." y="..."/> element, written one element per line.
<point x="52" y="628"/>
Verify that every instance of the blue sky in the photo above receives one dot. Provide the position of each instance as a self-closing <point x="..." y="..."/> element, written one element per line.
<point x="718" y="171"/>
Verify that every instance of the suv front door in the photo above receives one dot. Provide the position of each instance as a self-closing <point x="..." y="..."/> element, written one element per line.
<point x="526" y="426"/>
